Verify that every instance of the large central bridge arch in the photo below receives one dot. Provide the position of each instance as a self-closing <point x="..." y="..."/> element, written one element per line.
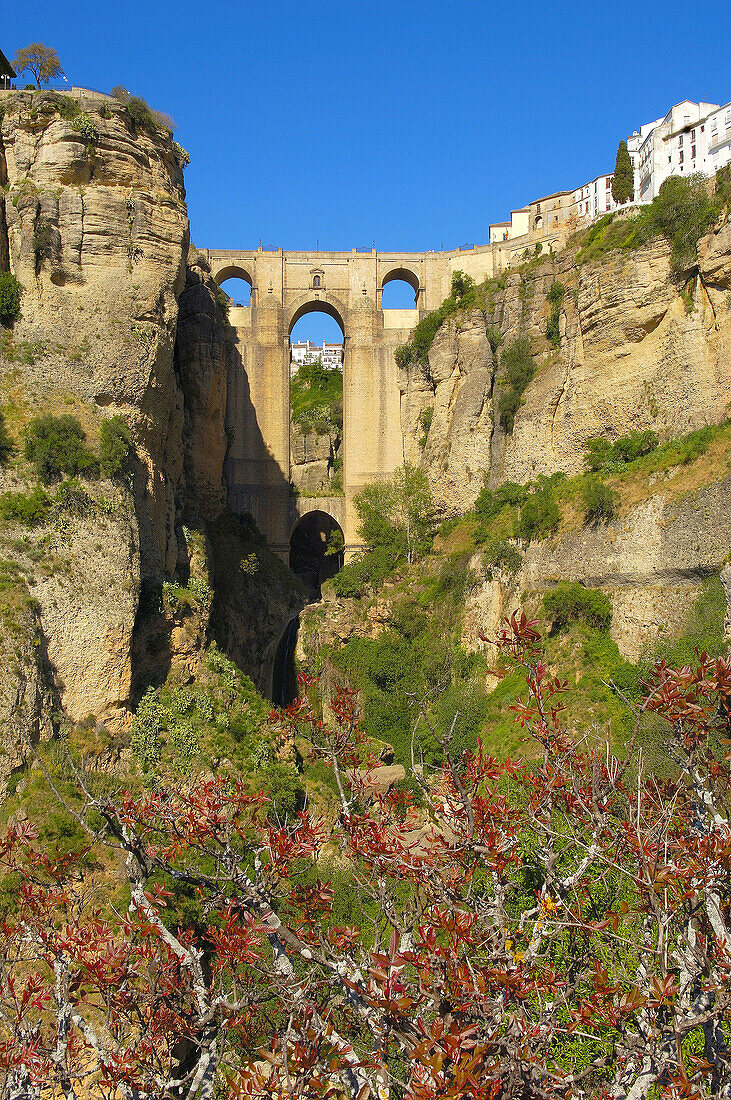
<point x="348" y="286"/>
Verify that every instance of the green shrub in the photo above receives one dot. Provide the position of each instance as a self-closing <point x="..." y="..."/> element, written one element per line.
<point x="6" y="443"/>
<point x="462" y="286"/>
<point x="600" y="502"/>
<point x="316" y="399"/>
<point x="518" y="368"/>
<point x="84" y="124"/>
<point x="396" y="514"/>
<point x="683" y="211"/>
<point x="55" y="445"/>
<point x="425" y="422"/>
<point x="491" y="501"/>
<point x="71" y="496"/>
<point x="140" y="115"/>
<point x="29" y="509"/>
<point x="501" y="554"/>
<point x="494" y="337"/>
<point x="571" y="602"/>
<point x="115" y="447"/>
<point x="609" y="457"/>
<point x="10" y="292"/>
<point x="540" y="514"/>
<point x="68" y="107"/>
<point x="555" y="296"/>
<point x="356" y="577"/>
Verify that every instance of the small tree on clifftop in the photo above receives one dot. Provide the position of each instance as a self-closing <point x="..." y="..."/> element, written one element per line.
<point x="40" y="60"/>
<point x="623" y="184"/>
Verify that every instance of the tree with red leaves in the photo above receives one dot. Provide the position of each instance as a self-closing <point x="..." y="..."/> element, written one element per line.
<point x="549" y="928"/>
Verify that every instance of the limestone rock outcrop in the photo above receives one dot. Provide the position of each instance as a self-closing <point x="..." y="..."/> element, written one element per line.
<point x="635" y="353"/>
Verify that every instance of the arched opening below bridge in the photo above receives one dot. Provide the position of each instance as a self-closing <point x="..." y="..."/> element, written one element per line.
<point x="400" y="290"/>
<point x="236" y="284"/>
<point x="316" y="548"/>
<point x="316" y="400"/>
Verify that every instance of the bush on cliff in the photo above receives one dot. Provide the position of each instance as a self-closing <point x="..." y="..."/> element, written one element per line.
<point x="540" y="515"/>
<point x="570" y="602"/>
<point x="600" y="502"/>
<point x="56" y="445"/>
<point x="115" y="447"/>
<point x="10" y="291"/>
<point x="602" y="455"/>
<point x="29" y="509"/>
<point x="518" y="369"/>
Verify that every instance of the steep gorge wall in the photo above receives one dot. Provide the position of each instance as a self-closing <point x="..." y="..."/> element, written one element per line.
<point x="638" y="351"/>
<point x="632" y="357"/>
<point x="113" y="322"/>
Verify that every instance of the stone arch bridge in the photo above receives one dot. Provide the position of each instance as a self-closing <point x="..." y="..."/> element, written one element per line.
<point x="348" y="286"/>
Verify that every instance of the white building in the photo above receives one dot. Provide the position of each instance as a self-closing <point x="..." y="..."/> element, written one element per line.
<point x="330" y="355"/>
<point x="692" y="137"/>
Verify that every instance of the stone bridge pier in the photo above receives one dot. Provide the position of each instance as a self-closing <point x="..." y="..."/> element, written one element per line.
<point x="348" y="286"/>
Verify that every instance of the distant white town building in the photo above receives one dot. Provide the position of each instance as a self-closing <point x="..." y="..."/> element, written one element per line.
<point x="330" y="355"/>
<point x="691" y="138"/>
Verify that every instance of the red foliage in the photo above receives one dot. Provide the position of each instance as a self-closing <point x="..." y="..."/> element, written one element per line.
<point x="535" y="930"/>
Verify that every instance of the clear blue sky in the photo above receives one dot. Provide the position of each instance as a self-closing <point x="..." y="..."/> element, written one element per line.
<point x="411" y="124"/>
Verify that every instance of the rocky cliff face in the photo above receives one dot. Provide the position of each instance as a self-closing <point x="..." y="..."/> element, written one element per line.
<point x="637" y="351"/>
<point x="95" y="229"/>
<point x="93" y="224"/>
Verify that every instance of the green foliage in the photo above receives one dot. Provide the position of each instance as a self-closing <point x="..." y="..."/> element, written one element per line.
<point x="463" y="296"/>
<point x="603" y="456"/>
<point x="55" y="445"/>
<point x="6" y="443"/>
<point x="462" y="286"/>
<point x="518" y="368"/>
<point x="555" y="296"/>
<point x="356" y="577"/>
<point x="600" y="502"/>
<point x="84" y="124"/>
<point x="115" y="447"/>
<point x="491" y="501"/>
<point x="68" y="108"/>
<point x="316" y="399"/>
<point x="494" y="337"/>
<point x="30" y="509"/>
<point x="140" y="115"/>
<point x="623" y="187"/>
<point x="181" y="155"/>
<point x="42" y="240"/>
<point x="146" y="728"/>
<point x="502" y="555"/>
<point x="425" y="421"/>
<point x="540" y="514"/>
<point x="283" y="787"/>
<point x="703" y="631"/>
<point x="397" y="514"/>
<point x="571" y="602"/>
<point x="10" y="292"/>
<point x="335" y="543"/>
<point x="683" y="211"/>
<point x="40" y="60"/>
<point x="72" y="497"/>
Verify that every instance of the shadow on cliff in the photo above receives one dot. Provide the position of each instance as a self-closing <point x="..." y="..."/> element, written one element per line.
<point x="255" y="594"/>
